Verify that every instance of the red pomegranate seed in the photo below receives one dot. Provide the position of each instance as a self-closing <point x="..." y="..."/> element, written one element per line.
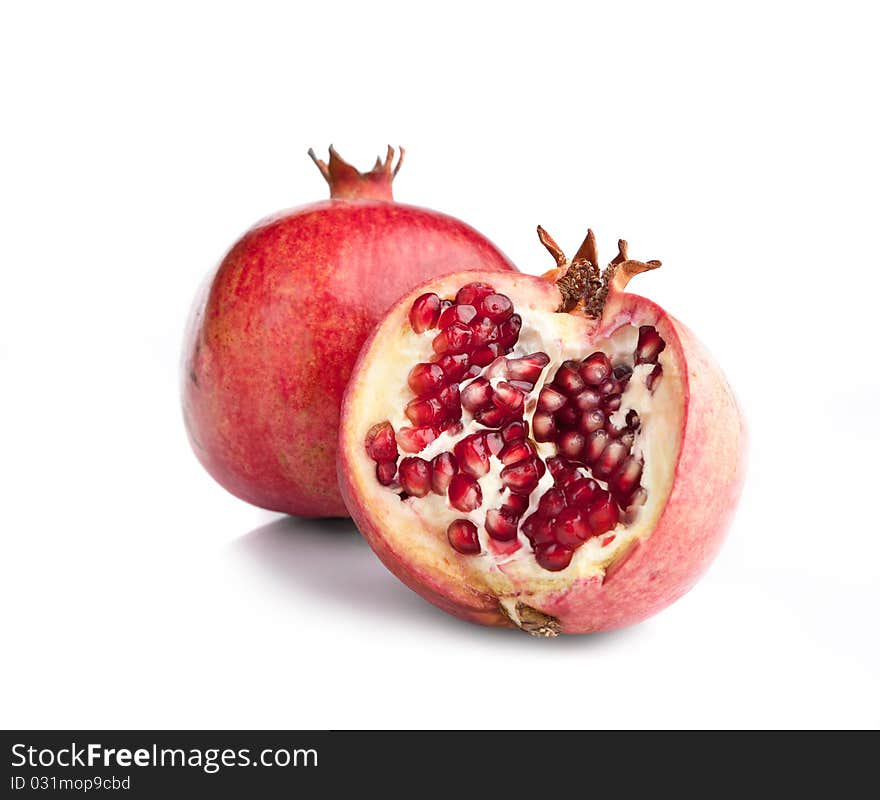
<point x="608" y="539"/>
<point x="591" y="421"/>
<point x="492" y="417"/>
<point x="537" y="530"/>
<point x="602" y="513"/>
<point x="522" y="477"/>
<point x="553" y="556"/>
<point x="565" y="478"/>
<point x="414" y="440"/>
<point x="472" y="455"/>
<point x="473" y="293"/>
<point x="622" y="373"/>
<point x="425" y="312"/>
<point x="443" y="468"/>
<point x="653" y="380"/>
<point x="580" y="491"/>
<point x="385" y="472"/>
<point x="650" y="345"/>
<point x="509" y="397"/>
<point x="516" y="503"/>
<point x="501" y="524"/>
<point x="454" y="427"/>
<point x="528" y="368"/>
<point x="557" y="465"/>
<point x="484" y="331"/>
<point x="515" y="431"/>
<point x="477" y="395"/>
<point x="515" y="452"/>
<point x="463" y="314"/>
<point x="497" y="307"/>
<point x="571" y="528"/>
<point x="568" y="378"/>
<point x="626" y="478"/>
<point x="611" y="403"/>
<point x="465" y="493"/>
<point x="544" y="427"/>
<point x="483" y="356"/>
<point x="571" y="444"/>
<point x="462" y="535"/>
<point x="550" y="400"/>
<point x="508" y="332"/>
<point x="494" y="442"/>
<point x="616" y="428"/>
<point x="425" y="379"/>
<point x="497" y="369"/>
<point x="454" y="366"/>
<point x="595" y="369"/>
<point x="380" y="443"/>
<point x="425" y="412"/>
<point x="613" y="454"/>
<point x="567" y="417"/>
<point x="415" y="476"/>
<point x="587" y="400"/>
<point x="596" y="442"/>
<point x="454" y="339"/>
<point x="450" y="400"/>
<point x="551" y="504"/>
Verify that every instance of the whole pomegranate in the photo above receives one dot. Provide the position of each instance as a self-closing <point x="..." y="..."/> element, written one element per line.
<point x="271" y="345"/>
<point x="551" y="453"/>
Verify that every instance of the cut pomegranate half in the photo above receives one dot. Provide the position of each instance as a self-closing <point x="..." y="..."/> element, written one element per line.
<point x="551" y="480"/>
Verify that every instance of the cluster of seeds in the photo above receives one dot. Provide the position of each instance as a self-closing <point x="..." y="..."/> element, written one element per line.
<point x="596" y="474"/>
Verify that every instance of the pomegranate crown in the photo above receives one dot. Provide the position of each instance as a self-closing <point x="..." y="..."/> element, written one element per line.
<point x="348" y="183"/>
<point x="582" y="285"/>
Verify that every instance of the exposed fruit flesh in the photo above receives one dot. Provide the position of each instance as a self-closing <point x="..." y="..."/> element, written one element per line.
<point x="521" y="418"/>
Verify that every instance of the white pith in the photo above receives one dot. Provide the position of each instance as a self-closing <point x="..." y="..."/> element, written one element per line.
<point x="417" y="526"/>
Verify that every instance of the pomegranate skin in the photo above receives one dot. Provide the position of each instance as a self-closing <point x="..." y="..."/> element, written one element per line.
<point x="708" y="478"/>
<point x="271" y="345"/>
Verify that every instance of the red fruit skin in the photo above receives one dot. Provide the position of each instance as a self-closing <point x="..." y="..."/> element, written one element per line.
<point x="270" y="348"/>
<point x="655" y="572"/>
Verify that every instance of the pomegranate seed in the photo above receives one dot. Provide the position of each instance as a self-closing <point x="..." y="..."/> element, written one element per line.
<point x="595" y="369"/>
<point x="515" y="452"/>
<point x="501" y="524"/>
<point x="653" y="380"/>
<point x="483" y="356"/>
<point x="425" y="412"/>
<point x="616" y="428"/>
<point x="515" y="431"/>
<point x="568" y="378"/>
<point x="608" y="539"/>
<point x="425" y="379"/>
<point x="622" y="373"/>
<point x="454" y="366"/>
<point x="596" y="442"/>
<point x="462" y="535"/>
<point x="587" y="400"/>
<point x="385" y="472"/>
<point x="415" y="476"/>
<point x="497" y="307"/>
<point x="610" y="386"/>
<point x="380" y="443"/>
<point x="602" y="513"/>
<point x="465" y="493"/>
<point x="425" y="312"/>
<point x="528" y="368"/>
<point x="450" y="400"/>
<point x="414" y="440"/>
<point x="443" y="467"/>
<point x="591" y="421"/>
<point x="454" y="339"/>
<point x="551" y="504"/>
<point x="613" y="454"/>
<point x="544" y="427"/>
<point x="473" y="293"/>
<point x="557" y="465"/>
<point x="508" y="332"/>
<point x="463" y="314"/>
<point x="537" y="530"/>
<point x="454" y="427"/>
<point x="611" y="403"/>
<point x="567" y="477"/>
<point x="567" y="417"/>
<point x="553" y="556"/>
<point x="632" y="419"/>
<point x="522" y="477"/>
<point x="550" y="400"/>
<point x="516" y="503"/>
<point x="472" y="456"/>
<point x="571" y="528"/>
<point x="524" y="386"/>
<point x="494" y="442"/>
<point x="484" y="331"/>
<point x="650" y="345"/>
<point x="492" y="417"/>
<point x="497" y="369"/>
<point x="580" y="491"/>
<point x="509" y="397"/>
<point x="477" y="395"/>
<point x="571" y="444"/>
<point x="627" y="477"/>
<point x="628" y="438"/>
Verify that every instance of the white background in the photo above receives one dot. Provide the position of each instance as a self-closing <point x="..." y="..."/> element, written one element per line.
<point x="138" y="141"/>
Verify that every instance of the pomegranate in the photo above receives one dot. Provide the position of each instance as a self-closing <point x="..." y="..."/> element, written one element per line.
<point x="272" y="344"/>
<point x="551" y="453"/>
